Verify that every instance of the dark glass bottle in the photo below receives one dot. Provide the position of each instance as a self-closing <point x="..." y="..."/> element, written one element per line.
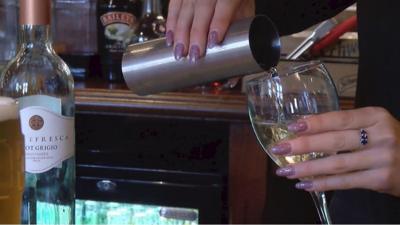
<point x="117" y="21"/>
<point x="152" y="23"/>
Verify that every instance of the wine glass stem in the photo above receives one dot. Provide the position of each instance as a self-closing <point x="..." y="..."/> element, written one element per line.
<point x="321" y="205"/>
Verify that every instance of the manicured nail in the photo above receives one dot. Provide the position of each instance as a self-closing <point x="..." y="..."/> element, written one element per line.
<point x="285" y="171"/>
<point x="297" y="127"/>
<point x="304" y="185"/>
<point x="213" y="39"/>
<point x="169" y="38"/>
<point x="179" y="48"/>
<point x="281" y="149"/>
<point x="194" y="53"/>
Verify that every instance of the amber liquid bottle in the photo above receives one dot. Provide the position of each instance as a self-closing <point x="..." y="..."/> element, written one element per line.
<point x="116" y="25"/>
<point x="43" y="85"/>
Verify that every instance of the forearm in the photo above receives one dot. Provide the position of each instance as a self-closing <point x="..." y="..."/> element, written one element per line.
<point x="291" y="16"/>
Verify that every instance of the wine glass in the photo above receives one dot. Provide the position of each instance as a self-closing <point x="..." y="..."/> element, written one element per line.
<point x="276" y="100"/>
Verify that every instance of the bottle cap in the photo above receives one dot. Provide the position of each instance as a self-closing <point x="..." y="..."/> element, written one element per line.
<point x="34" y="12"/>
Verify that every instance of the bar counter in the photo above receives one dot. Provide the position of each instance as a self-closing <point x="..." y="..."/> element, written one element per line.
<point x="247" y="180"/>
<point x="100" y="97"/>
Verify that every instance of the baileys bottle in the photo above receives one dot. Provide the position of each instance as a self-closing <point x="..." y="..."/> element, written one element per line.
<point x="117" y="22"/>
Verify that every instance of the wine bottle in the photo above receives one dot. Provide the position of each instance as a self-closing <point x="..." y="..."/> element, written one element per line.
<point x="152" y="23"/>
<point x="43" y="85"/>
<point x="116" y="25"/>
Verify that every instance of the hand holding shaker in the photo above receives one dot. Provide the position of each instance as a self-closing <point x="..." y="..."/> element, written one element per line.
<point x="251" y="45"/>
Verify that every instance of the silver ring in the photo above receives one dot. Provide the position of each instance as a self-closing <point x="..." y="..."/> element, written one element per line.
<point x="363" y="137"/>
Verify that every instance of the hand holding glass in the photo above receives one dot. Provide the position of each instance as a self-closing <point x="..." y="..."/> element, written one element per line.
<point x="275" y="101"/>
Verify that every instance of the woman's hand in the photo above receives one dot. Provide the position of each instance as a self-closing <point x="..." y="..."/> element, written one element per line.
<point x="192" y="24"/>
<point x="374" y="166"/>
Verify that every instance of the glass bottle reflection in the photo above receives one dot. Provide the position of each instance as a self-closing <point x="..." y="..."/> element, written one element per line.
<point x="152" y="23"/>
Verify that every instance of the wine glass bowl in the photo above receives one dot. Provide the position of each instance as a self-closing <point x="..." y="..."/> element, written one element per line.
<point x="276" y="100"/>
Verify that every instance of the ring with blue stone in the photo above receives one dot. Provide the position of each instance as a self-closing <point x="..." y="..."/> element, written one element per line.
<point x="363" y="137"/>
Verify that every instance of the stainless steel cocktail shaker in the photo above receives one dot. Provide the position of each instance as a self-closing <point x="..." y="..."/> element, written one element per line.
<point x="250" y="46"/>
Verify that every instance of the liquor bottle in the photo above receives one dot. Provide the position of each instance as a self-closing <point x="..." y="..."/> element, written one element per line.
<point x="44" y="86"/>
<point x="116" y="25"/>
<point x="78" y="51"/>
<point x="152" y="23"/>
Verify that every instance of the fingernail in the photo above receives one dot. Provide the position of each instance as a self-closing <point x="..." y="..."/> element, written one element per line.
<point x="285" y="171"/>
<point x="281" y="149"/>
<point x="213" y="39"/>
<point x="194" y="53"/>
<point x="179" y="48"/>
<point x="169" y="38"/>
<point x="299" y="126"/>
<point x="304" y="185"/>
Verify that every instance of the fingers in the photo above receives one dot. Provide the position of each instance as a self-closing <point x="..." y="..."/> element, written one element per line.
<point x="329" y="142"/>
<point x="379" y="134"/>
<point x="339" y="120"/>
<point x="173" y="14"/>
<point x="182" y="29"/>
<point x="247" y="9"/>
<point x="375" y="166"/>
<point x="199" y="32"/>
<point x="377" y="179"/>
<point x="224" y="12"/>
<point x="337" y="164"/>
<point x="193" y="23"/>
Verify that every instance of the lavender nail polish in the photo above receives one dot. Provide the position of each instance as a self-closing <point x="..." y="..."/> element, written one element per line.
<point x="285" y="171"/>
<point x="299" y="126"/>
<point x="179" y="48"/>
<point x="281" y="149"/>
<point x="213" y="39"/>
<point x="194" y="54"/>
<point x="304" y="185"/>
<point x="169" y="38"/>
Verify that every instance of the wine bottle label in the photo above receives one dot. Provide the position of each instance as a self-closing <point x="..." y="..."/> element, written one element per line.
<point x="119" y="28"/>
<point x="49" y="136"/>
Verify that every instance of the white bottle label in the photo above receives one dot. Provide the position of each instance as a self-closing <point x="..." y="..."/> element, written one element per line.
<point x="49" y="138"/>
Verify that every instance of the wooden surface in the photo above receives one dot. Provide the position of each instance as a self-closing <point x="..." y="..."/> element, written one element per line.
<point x="99" y="97"/>
<point x="247" y="176"/>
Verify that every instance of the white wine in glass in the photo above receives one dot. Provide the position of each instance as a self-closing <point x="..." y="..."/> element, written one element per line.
<point x="274" y="101"/>
<point x="270" y="134"/>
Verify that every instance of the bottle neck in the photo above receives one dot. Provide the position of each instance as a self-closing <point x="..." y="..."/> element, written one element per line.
<point x="152" y="7"/>
<point x="35" y="36"/>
